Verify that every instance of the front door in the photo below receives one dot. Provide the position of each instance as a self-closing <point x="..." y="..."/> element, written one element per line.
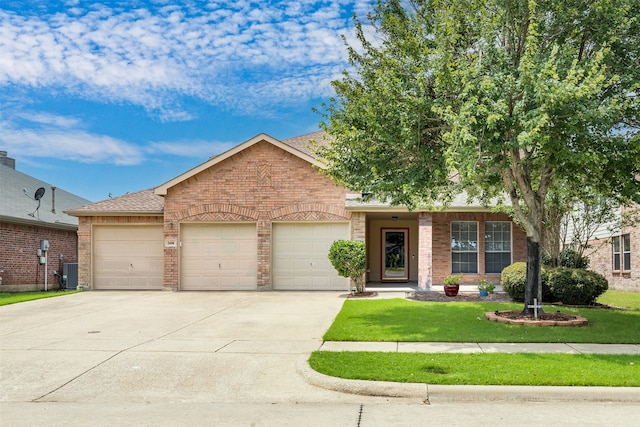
<point x="395" y="261"/>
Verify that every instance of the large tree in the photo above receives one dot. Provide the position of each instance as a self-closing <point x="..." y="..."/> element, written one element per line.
<point x="517" y="98"/>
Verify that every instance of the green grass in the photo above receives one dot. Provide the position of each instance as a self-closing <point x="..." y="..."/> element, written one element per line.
<point x="483" y="368"/>
<point x="414" y="321"/>
<point x="615" y="298"/>
<point x="16" y="297"/>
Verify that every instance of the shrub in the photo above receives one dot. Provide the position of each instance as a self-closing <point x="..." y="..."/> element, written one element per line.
<point x="514" y="279"/>
<point x="575" y="286"/>
<point x="349" y="258"/>
<point x="572" y="259"/>
<point x="569" y="258"/>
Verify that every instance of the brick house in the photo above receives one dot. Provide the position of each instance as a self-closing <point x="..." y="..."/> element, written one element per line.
<point x="616" y="254"/>
<point x="262" y="217"/>
<point x="25" y="222"/>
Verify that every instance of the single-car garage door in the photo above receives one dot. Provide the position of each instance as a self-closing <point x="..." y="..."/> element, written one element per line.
<point x="128" y="257"/>
<point x="219" y="257"/>
<point x="300" y="256"/>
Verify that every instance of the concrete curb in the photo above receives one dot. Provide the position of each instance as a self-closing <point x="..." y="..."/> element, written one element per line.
<point x="470" y="393"/>
<point x="360" y="387"/>
<point x="467" y="393"/>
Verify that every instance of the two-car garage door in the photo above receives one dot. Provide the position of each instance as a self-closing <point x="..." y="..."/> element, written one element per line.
<point x="216" y="256"/>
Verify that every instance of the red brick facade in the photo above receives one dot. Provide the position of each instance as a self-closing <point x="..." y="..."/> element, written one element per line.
<point x="601" y="261"/>
<point x="263" y="183"/>
<point x="260" y="184"/>
<point x="441" y="261"/>
<point x="19" y="265"/>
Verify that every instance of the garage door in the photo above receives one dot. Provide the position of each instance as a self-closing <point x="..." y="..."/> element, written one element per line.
<point x="128" y="257"/>
<point x="300" y="256"/>
<point x="219" y="257"/>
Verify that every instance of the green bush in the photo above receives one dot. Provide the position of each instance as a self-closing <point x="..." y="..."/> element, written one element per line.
<point x="349" y="259"/>
<point x="514" y="278"/>
<point x="567" y="258"/>
<point x="572" y="259"/>
<point x="576" y="286"/>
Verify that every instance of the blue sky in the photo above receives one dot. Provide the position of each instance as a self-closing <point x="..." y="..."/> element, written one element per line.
<point x="115" y="97"/>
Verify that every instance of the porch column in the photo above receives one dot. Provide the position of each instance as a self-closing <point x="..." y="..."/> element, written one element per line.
<point x="358" y="226"/>
<point x="425" y="250"/>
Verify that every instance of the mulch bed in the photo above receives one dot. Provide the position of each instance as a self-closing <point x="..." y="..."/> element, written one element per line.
<point x="461" y="297"/>
<point x="514" y="317"/>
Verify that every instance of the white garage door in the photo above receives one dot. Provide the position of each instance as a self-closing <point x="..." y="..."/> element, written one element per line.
<point x="300" y="256"/>
<point x="219" y="257"/>
<point x="128" y="257"/>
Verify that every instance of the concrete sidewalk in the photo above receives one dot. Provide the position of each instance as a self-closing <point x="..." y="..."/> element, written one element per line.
<point x="452" y="347"/>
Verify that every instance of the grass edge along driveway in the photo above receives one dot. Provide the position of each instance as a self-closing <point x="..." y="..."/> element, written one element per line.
<point x="401" y="320"/>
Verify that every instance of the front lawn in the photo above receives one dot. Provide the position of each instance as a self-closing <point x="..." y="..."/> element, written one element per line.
<point x="615" y="298"/>
<point x="483" y="368"/>
<point x="415" y="321"/>
<point x="15" y="297"/>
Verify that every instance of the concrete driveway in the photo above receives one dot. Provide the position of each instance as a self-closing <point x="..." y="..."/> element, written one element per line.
<point x="202" y="358"/>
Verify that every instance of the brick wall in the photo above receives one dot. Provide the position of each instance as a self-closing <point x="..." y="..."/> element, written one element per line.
<point x="21" y="269"/>
<point x="601" y="261"/>
<point x="441" y="250"/>
<point x="261" y="184"/>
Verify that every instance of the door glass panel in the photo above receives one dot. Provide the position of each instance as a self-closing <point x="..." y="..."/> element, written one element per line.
<point x="395" y="255"/>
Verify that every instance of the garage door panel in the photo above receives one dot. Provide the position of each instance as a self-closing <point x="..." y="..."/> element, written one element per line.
<point x="219" y="257"/>
<point x="128" y="257"/>
<point x="300" y="256"/>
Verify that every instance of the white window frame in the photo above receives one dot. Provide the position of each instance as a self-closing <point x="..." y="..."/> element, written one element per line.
<point x="624" y="250"/>
<point x="510" y="251"/>
<point x="476" y="251"/>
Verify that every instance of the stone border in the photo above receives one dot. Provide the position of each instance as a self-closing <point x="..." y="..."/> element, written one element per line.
<point x="578" y="321"/>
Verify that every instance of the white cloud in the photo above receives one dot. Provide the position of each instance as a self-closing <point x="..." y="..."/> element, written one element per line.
<point x="67" y="144"/>
<point x="48" y="119"/>
<point x="193" y="148"/>
<point x="153" y="57"/>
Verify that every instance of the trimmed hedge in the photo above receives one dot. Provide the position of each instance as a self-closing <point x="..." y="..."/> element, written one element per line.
<point x="514" y="278"/>
<point x="575" y="286"/>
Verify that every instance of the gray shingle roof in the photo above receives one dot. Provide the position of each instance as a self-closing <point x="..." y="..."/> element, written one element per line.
<point x="303" y="142"/>
<point x="17" y="204"/>
<point x="143" y="202"/>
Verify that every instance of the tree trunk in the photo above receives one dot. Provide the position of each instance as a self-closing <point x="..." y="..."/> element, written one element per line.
<point x="533" y="287"/>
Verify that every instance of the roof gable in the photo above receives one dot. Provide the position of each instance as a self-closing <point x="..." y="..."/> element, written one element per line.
<point x="293" y="146"/>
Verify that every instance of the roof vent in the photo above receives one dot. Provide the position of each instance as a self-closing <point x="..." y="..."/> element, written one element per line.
<point x="7" y="161"/>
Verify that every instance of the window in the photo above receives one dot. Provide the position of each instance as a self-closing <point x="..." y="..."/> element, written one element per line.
<point x="622" y="253"/>
<point x="464" y="247"/>
<point x="497" y="246"/>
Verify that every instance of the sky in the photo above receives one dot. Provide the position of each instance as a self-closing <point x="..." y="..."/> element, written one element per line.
<point x="106" y="98"/>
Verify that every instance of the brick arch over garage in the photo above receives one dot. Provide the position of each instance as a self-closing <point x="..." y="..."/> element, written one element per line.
<point x="309" y="212"/>
<point x="217" y="212"/>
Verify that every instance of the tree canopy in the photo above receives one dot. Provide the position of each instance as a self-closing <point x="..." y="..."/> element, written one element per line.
<point x="523" y="99"/>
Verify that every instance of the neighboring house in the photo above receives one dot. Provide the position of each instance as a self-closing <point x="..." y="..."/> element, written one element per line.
<point x="261" y="216"/>
<point x="615" y="253"/>
<point x="31" y="211"/>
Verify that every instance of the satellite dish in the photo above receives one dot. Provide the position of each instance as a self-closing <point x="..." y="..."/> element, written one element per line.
<point x="39" y="193"/>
